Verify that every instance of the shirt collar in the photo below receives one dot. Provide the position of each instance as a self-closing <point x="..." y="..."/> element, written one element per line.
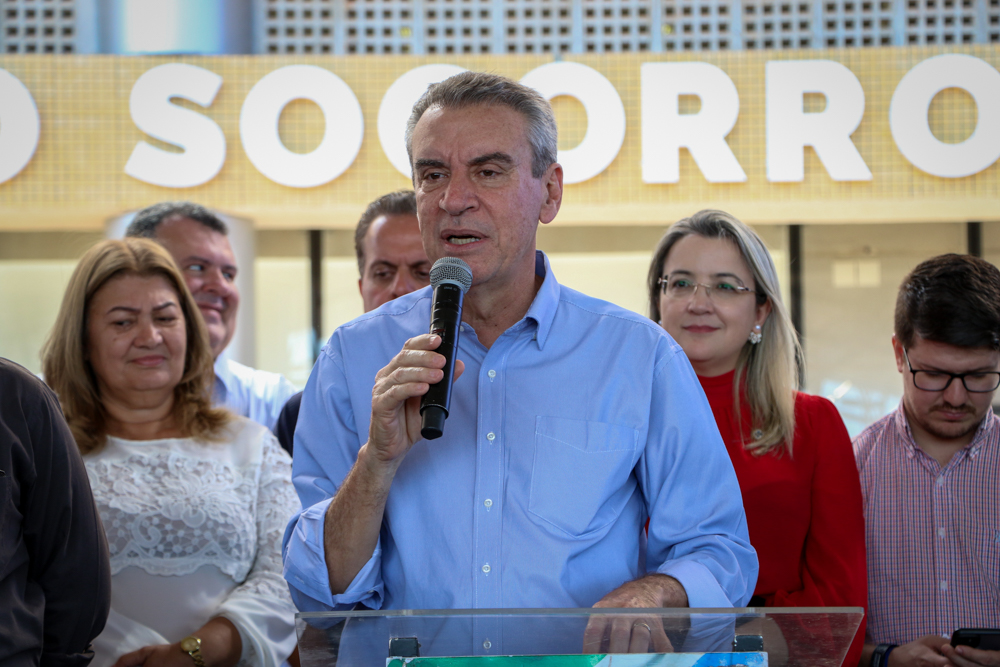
<point x="223" y="375"/>
<point x="903" y="428"/>
<point x="543" y="307"/>
<point x="986" y="432"/>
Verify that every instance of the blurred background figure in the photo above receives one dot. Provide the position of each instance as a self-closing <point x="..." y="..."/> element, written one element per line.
<point x="930" y="471"/>
<point x="193" y="499"/>
<point x="714" y="288"/>
<point x="196" y="239"/>
<point x="391" y="263"/>
<point x="55" y="583"/>
<point x="391" y="257"/>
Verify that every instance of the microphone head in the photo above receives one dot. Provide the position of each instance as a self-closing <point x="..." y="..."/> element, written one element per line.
<point x="452" y="270"/>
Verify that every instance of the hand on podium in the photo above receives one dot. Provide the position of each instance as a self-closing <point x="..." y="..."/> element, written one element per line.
<point x="640" y="633"/>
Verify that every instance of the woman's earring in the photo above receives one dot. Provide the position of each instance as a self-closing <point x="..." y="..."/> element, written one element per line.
<point x="755" y="335"/>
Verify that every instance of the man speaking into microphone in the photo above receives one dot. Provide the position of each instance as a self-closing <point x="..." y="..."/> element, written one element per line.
<point x="571" y="421"/>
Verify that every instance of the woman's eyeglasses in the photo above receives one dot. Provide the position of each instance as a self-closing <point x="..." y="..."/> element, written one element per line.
<point x="678" y="287"/>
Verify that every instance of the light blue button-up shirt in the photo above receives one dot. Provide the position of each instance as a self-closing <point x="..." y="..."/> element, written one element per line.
<point x="579" y="423"/>
<point x="255" y="394"/>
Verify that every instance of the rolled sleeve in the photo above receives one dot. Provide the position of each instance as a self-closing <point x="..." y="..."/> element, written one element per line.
<point x="697" y="532"/>
<point x="702" y="588"/>
<point x="326" y="447"/>
<point x="306" y="573"/>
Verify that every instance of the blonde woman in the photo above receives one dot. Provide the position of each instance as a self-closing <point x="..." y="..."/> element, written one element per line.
<point x="193" y="499"/>
<point x="713" y="287"/>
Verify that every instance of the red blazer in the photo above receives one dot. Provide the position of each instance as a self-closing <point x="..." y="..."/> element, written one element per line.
<point x="804" y="512"/>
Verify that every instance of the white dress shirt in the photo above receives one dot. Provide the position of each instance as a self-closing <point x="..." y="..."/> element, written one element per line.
<point x="251" y="393"/>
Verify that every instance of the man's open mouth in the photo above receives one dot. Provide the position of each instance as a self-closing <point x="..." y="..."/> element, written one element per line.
<point x="462" y="240"/>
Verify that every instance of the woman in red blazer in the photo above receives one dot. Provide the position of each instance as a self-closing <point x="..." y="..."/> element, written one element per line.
<point x="714" y="288"/>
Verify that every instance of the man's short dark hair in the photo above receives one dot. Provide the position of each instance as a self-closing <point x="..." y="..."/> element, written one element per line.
<point x="951" y="299"/>
<point x="148" y="219"/>
<point x="403" y="202"/>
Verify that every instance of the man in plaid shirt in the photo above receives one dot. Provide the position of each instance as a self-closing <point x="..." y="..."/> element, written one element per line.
<point x="930" y="472"/>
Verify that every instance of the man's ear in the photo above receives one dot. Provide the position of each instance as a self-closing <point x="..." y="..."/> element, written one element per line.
<point x="897" y="349"/>
<point x="553" y="183"/>
<point x="360" y="289"/>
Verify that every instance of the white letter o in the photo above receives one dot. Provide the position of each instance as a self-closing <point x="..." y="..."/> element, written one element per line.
<point x="605" y="115"/>
<point x="259" y="126"/>
<point x="912" y="99"/>
<point x="19" y="126"/>
<point x="397" y="104"/>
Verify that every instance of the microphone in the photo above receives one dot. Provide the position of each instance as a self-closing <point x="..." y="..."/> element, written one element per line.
<point x="451" y="278"/>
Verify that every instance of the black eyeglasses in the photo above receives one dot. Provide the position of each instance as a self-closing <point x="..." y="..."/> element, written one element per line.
<point x="977" y="382"/>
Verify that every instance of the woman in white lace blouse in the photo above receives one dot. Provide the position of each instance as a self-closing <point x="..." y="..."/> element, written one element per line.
<point x="194" y="500"/>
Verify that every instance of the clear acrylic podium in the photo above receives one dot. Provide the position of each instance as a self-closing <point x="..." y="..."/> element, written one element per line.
<point x="752" y="637"/>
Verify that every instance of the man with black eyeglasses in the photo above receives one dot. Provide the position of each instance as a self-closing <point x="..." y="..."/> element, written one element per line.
<point x="930" y="472"/>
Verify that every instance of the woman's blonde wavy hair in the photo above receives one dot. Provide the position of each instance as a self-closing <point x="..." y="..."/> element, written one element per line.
<point x="64" y="356"/>
<point x="768" y="370"/>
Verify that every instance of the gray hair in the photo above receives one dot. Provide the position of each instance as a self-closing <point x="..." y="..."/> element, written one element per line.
<point x="473" y="88"/>
<point x="770" y="368"/>
<point x="146" y="221"/>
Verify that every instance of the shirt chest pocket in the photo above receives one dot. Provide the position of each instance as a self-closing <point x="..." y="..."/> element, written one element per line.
<point x="581" y="475"/>
<point x="987" y="558"/>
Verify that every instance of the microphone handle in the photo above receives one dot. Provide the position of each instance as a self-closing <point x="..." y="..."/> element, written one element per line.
<point x="446" y="318"/>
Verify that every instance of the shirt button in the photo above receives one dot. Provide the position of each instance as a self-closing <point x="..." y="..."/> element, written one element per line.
<point x="944" y="585"/>
<point x="461" y="328"/>
<point x="488" y="502"/>
<point x="487" y="644"/>
<point x="486" y="568"/>
<point x="490" y="436"/>
<point x="940" y="481"/>
<point x="492" y="375"/>
<point x="940" y="532"/>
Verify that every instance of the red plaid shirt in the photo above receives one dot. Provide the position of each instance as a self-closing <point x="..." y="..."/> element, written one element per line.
<point x="932" y="533"/>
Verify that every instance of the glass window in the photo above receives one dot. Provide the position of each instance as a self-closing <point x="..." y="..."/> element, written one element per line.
<point x="282" y="301"/>
<point x="35" y="268"/>
<point x="851" y="274"/>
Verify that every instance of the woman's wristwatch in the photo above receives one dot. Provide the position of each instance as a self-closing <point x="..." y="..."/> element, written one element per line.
<point x="192" y="646"/>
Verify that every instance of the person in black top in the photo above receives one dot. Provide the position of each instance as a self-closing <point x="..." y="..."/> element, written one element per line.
<point x="55" y="580"/>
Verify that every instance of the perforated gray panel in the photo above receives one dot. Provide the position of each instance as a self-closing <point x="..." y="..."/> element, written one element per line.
<point x="531" y="26"/>
<point x="850" y="23"/>
<point x="458" y="26"/>
<point x="382" y="26"/>
<point x="420" y="27"/>
<point x="699" y="25"/>
<point x="991" y="27"/>
<point x="294" y="26"/>
<point x="38" y="26"/>
<point x="618" y="25"/>
<point x="778" y="25"/>
<point x="588" y="26"/>
<point x="940" y="21"/>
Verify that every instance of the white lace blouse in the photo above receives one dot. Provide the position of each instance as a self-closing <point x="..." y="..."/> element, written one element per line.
<point x="194" y="531"/>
